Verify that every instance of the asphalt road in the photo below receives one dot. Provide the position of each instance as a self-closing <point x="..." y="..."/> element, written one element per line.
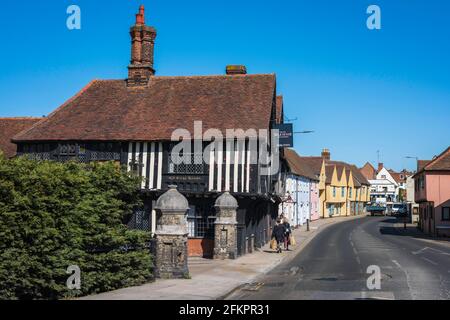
<point x="334" y="266"/>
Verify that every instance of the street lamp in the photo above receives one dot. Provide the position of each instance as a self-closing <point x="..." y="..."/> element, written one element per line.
<point x="411" y="157"/>
<point x="304" y="132"/>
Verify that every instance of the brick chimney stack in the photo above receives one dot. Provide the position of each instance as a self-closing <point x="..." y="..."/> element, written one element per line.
<point x="142" y="48"/>
<point x="380" y="166"/>
<point x="326" y="154"/>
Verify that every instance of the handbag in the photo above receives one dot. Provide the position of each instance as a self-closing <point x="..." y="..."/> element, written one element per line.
<point x="292" y="240"/>
<point x="273" y="244"/>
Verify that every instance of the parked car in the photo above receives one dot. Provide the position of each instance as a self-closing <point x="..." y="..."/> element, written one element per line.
<point x="399" y="209"/>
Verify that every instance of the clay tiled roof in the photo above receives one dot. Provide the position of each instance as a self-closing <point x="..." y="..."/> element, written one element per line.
<point x="395" y="176"/>
<point x="358" y="177"/>
<point x="109" y="110"/>
<point x="421" y="164"/>
<point x="315" y="163"/>
<point x="440" y="162"/>
<point x="299" y="165"/>
<point x="279" y="110"/>
<point x="329" y="169"/>
<point x="9" y="127"/>
<point x="368" y="171"/>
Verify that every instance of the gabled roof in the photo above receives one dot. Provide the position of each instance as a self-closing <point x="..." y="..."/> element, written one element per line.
<point x="315" y="163"/>
<point x="109" y="110"/>
<point x="298" y="165"/>
<point x="9" y="127"/>
<point x="368" y="171"/>
<point x="439" y="163"/>
<point x="358" y="177"/>
<point x="421" y="164"/>
<point x="329" y="169"/>
<point x="369" y="165"/>
<point x="395" y="176"/>
<point x="357" y="174"/>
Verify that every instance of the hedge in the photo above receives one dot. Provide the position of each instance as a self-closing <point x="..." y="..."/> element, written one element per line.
<point x="54" y="215"/>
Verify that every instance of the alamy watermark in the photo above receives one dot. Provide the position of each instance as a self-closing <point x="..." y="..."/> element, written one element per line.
<point x="252" y="146"/>
<point x="74" y="281"/>
<point x="374" y="280"/>
<point x="73" y="21"/>
<point x="374" y="20"/>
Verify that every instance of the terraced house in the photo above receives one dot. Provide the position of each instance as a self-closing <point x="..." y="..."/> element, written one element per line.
<point x="300" y="202"/>
<point x="132" y="121"/>
<point x="343" y="190"/>
<point x="432" y="193"/>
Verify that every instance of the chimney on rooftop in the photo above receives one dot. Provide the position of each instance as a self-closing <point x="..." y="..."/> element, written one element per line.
<point x="142" y="47"/>
<point x="326" y="154"/>
<point x="380" y="166"/>
<point x="236" y="69"/>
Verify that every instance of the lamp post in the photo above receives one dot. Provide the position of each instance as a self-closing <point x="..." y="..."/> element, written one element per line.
<point x="413" y="157"/>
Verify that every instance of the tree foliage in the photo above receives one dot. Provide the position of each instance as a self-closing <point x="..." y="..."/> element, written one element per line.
<point x="54" y="215"/>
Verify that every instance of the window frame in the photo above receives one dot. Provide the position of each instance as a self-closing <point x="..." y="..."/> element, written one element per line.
<point x="443" y="212"/>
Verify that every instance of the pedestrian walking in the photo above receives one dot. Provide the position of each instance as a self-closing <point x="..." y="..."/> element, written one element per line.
<point x="287" y="233"/>
<point x="278" y="234"/>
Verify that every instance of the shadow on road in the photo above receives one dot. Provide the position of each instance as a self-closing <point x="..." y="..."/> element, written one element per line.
<point x="397" y="229"/>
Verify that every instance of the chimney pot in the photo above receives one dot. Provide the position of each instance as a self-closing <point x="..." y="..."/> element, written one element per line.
<point x="326" y="154"/>
<point x="140" y="17"/>
<point x="142" y="38"/>
<point x="236" y="69"/>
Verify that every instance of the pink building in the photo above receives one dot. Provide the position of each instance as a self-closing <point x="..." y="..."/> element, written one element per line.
<point x="315" y="215"/>
<point x="301" y="199"/>
<point x="432" y="193"/>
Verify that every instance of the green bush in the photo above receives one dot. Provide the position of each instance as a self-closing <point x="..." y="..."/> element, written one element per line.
<point x="53" y="215"/>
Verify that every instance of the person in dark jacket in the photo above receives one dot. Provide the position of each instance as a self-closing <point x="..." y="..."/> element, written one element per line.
<point x="278" y="234"/>
<point x="287" y="233"/>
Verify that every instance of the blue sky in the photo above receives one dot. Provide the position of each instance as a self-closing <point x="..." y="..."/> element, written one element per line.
<point x="360" y="90"/>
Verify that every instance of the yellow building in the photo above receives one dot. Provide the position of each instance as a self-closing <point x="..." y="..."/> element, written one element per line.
<point x="343" y="190"/>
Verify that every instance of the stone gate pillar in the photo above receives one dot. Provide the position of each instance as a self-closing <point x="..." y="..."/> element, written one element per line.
<point x="171" y="236"/>
<point x="225" y="229"/>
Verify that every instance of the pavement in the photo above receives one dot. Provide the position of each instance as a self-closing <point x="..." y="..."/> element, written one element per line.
<point x="217" y="279"/>
<point x="336" y="262"/>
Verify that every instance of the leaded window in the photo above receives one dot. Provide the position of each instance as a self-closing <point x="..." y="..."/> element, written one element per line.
<point x="200" y="223"/>
<point x="191" y="163"/>
<point x="64" y="150"/>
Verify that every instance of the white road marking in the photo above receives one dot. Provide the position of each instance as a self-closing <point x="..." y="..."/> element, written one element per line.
<point x="421" y="250"/>
<point x="432" y="249"/>
<point x="382" y="298"/>
<point x="430" y="261"/>
<point x="397" y="264"/>
<point x="408" y="278"/>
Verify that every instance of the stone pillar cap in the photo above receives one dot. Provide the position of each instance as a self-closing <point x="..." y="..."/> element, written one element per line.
<point x="226" y="200"/>
<point x="172" y="201"/>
